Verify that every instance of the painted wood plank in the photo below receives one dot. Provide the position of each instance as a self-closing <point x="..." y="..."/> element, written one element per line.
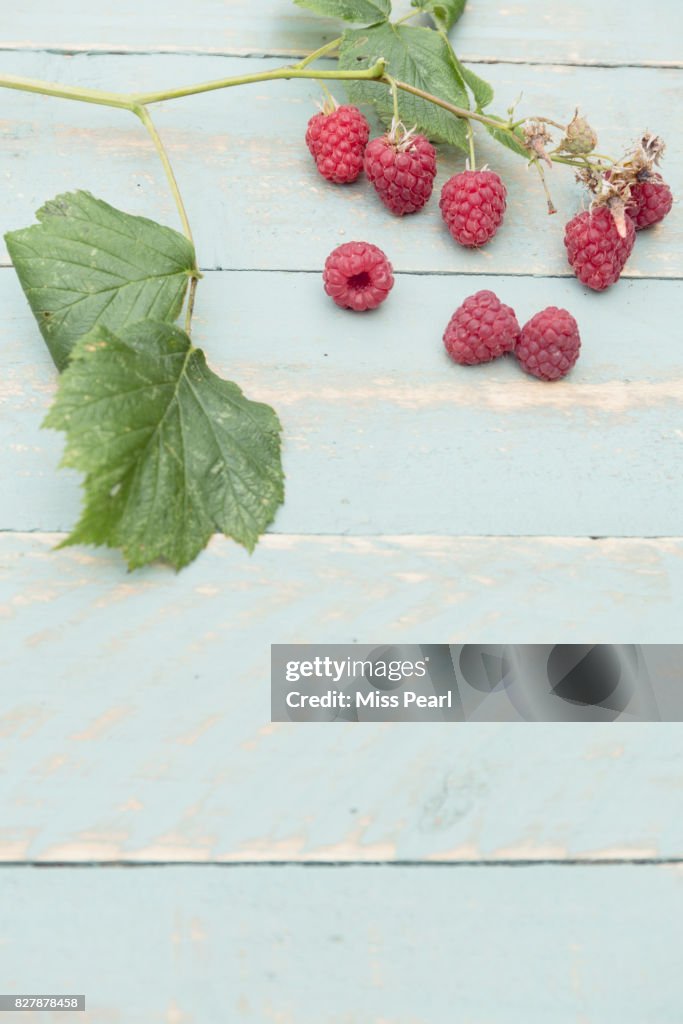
<point x="253" y="194"/>
<point x="313" y="946"/>
<point x="383" y="434"/>
<point x="135" y="709"/>
<point x="530" y="30"/>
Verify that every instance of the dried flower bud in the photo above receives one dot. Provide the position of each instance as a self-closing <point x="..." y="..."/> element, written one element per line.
<point x="653" y="147"/>
<point x="536" y="138"/>
<point x="579" y="138"/>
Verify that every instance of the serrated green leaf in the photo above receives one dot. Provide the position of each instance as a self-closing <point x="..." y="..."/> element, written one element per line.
<point x="481" y="90"/>
<point x="515" y="143"/>
<point x="418" y="56"/>
<point x="86" y="263"/>
<point x="363" y="12"/>
<point x="171" y="452"/>
<point x="444" y="12"/>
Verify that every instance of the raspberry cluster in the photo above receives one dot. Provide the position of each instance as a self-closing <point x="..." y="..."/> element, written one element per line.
<point x="483" y="328"/>
<point x="628" y="197"/>
<point x="401" y="166"/>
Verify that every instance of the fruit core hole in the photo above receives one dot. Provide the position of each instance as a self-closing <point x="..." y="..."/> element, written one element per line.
<point x="359" y="281"/>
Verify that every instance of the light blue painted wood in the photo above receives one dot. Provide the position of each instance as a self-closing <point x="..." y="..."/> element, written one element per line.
<point x="253" y="194"/>
<point x="526" y="31"/>
<point x="313" y="946"/>
<point x="384" y="434"/>
<point x="135" y="709"/>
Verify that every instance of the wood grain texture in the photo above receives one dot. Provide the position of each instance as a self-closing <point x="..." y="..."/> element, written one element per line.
<point x="594" y="945"/>
<point x="134" y="722"/>
<point x="383" y="434"/>
<point x="254" y="197"/>
<point x="530" y="30"/>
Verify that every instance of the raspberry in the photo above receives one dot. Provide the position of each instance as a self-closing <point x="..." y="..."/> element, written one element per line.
<point x="402" y="167"/>
<point x="595" y="250"/>
<point x="358" y="276"/>
<point x="482" y="329"/>
<point x="549" y="344"/>
<point x="473" y="206"/>
<point x="337" y="140"/>
<point x="650" y="202"/>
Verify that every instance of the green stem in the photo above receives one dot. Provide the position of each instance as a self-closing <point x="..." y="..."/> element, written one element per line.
<point x="461" y="112"/>
<point x="67" y="92"/>
<point x="470" y="139"/>
<point x="327" y="48"/>
<point x="541" y="120"/>
<point x="549" y="199"/>
<point x="374" y="73"/>
<point x="143" y="114"/>
<point x="394" y="95"/>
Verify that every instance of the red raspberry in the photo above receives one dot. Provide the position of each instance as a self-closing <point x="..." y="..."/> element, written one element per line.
<point x="595" y="249"/>
<point x="650" y="202"/>
<point x="358" y="276"/>
<point x="482" y="329"/>
<point x="337" y="140"/>
<point x="473" y="206"/>
<point x="402" y="168"/>
<point x="549" y="344"/>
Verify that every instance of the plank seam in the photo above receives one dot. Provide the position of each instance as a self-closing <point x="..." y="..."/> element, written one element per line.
<point x="423" y="273"/>
<point x="39" y="531"/>
<point x="526" y="863"/>
<point x="91" y="51"/>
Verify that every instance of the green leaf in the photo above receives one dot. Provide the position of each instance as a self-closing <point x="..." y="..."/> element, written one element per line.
<point x="515" y="143"/>
<point x="171" y="452"/>
<point x="418" y="56"/>
<point x="444" y="12"/>
<point x="87" y="263"/>
<point x="481" y="90"/>
<point x="365" y="12"/>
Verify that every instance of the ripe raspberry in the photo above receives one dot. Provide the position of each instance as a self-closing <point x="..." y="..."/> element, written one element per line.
<point x="402" y="167"/>
<point x="650" y="202"/>
<point x="473" y="206"/>
<point x="358" y="276"/>
<point x="595" y="250"/>
<point x="482" y="329"/>
<point x="337" y="139"/>
<point x="549" y="344"/>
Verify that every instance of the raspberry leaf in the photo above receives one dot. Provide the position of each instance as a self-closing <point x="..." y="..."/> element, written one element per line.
<point x="514" y="141"/>
<point x="481" y="90"/>
<point x="418" y="56"/>
<point x="171" y="452"/>
<point x="86" y="263"/>
<point x="444" y="12"/>
<point x="363" y="12"/>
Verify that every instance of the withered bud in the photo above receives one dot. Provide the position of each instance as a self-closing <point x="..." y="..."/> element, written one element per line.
<point x="536" y="138"/>
<point x="579" y="139"/>
<point x="653" y="147"/>
<point x="613" y="190"/>
<point x="591" y="178"/>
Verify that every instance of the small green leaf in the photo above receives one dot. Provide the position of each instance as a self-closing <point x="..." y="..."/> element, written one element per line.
<point x="515" y="141"/>
<point x="171" y="452"/>
<point x="444" y="12"/>
<point x="481" y="90"/>
<point x="87" y="263"/>
<point x="363" y="12"/>
<point x="419" y="57"/>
